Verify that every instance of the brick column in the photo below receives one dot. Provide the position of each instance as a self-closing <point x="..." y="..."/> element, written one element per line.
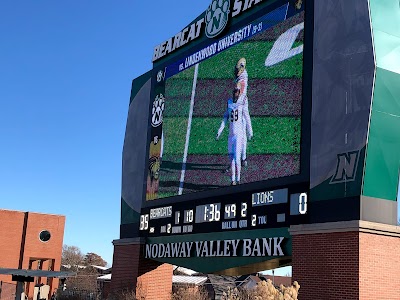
<point x="132" y="272"/>
<point x="380" y="262"/>
<point x="346" y="260"/>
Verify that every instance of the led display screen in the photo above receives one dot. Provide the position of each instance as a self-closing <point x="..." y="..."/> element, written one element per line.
<point x="230" y="112"/>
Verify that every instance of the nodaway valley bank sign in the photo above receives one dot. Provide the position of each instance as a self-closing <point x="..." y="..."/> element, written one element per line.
<point x="220" y="248"/>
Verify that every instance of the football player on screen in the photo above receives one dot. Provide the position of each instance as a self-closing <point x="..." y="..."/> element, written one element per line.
<point x="241" y="77"/>
<point x="236" y="113"/>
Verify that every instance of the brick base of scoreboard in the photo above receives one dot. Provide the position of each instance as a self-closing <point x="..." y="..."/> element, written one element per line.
<point x="131" y="272"/>
<point x="341" y="260"/>
<point x="346" y="260"/>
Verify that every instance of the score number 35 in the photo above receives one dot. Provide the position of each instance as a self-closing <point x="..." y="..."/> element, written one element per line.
<point x="144" y="222"/>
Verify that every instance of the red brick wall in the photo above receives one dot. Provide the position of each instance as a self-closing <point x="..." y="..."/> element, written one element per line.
<point x="347" y="265"/>
<point x="38" y="249"/>
<point x="106" y="289"/>
<point x="11" y="225"/>
<point x="34" y="248"/>
<point x="326" y="265"/>
<point x="11" y="231"/>
<point x="156" y="284"/>
<point x="125" y="267"/>
<point x="11" y="228"/>
<point x="7" y="291"/>
<point x="379" y="267"/>
<point x="130" y="269"/>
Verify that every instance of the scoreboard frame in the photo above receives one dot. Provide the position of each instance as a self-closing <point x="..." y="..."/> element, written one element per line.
<point x="295" y="183"/>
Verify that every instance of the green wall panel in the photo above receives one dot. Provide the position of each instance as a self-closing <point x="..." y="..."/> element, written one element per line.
<point x="387" y="93"/>
<point x="128" y="215"/>
<point x="385" y="15"/>
<point x="383" y="155"/>
<point x="387" y="51"/>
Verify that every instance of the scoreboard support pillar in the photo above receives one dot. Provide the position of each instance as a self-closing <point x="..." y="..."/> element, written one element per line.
<point x="132" y="272"/>
<point x="346" y="260"/>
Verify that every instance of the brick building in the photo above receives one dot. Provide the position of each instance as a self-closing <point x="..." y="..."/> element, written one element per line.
<point x="30" y="241"/>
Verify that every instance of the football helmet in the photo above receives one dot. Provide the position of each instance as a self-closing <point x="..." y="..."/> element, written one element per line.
<point x="236" y="93"/>
<point x="240" y="66"/>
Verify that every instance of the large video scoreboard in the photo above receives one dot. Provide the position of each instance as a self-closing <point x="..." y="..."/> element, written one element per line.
<point x="255" y="117"/>
<point x="228" y="145"/>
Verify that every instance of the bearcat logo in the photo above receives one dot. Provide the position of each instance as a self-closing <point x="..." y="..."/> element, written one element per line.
<point x="154" y="168"/>
<point x="216" y="17"/>
<point x="153" y="173"/>
<point x="160" y="76"/>
<point x="157" y="110"/>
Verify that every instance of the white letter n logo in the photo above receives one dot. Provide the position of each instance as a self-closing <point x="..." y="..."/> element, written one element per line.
<point x="346" y="167"/>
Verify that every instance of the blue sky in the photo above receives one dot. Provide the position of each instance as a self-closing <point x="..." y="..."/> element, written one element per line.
<point x="65" y="75"/>
<point x="66" y="68"/>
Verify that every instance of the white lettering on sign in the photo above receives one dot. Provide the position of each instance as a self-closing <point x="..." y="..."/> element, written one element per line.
<point x="192" y="31"/>
<point x="200" y="55"/>
<point x="187" y="228"/>
<point x="240" y="6"/>
<point x="161" y="212"/>
<point x="258" y="247"/>
<point x="234" y="38"/>
<point x="188" y="34"/>
<point x="229" y="225"/>
<point x="262" y="198"/>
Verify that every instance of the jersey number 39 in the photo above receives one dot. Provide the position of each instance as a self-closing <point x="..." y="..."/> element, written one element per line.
<point x="234" y="115"/>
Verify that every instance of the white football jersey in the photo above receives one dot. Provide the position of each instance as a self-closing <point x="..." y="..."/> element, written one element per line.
<point x="243" y="80"/>
<point x="238" y="117"/>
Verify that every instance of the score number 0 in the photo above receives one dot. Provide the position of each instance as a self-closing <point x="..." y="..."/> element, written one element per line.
<point x="303" y="203"/>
